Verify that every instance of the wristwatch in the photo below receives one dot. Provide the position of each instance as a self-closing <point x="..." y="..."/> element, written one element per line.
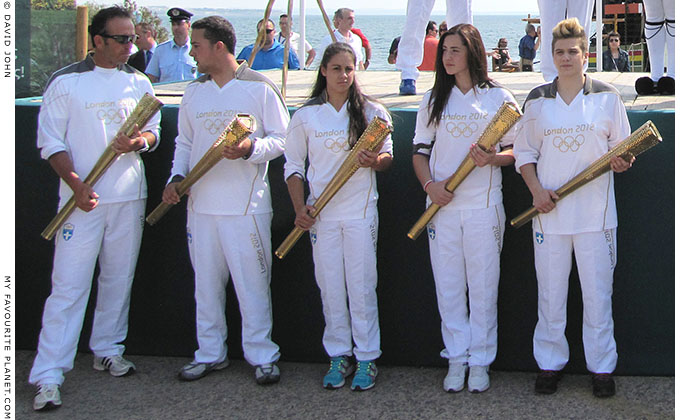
<point x="145" y="147"/>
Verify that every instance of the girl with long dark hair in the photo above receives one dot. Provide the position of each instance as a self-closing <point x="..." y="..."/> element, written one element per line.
<point x="466" y="235"/>
<point x="344" y="234"/>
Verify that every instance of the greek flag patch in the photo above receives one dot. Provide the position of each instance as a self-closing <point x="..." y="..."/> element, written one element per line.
<point x="189" y="236"/>
<point x="431" y="229"/>
<point x="539" y="237"/>
<point x="67" y="231"/>
<point x="312" y="236"/>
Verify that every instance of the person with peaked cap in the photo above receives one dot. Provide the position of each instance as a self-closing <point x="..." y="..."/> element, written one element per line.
<point x="171" y="61"/>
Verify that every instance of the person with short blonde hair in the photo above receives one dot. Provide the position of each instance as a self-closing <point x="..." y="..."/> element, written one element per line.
<point x="570" y="28"/>
<point x="567" y="125"/>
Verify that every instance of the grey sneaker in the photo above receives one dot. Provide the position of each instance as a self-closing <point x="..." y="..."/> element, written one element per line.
<point x="267" y="374"/>
<point x="478" y="379"/>
<point x="47" y="397"/>
<point x="116" y="365"/>
<point x="195" y="370"/>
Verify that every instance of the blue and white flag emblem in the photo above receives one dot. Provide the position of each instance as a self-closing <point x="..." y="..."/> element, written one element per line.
<point x="312" y="236"/>
<point x="189" y="236"/>
<point x="67" y="231"/>
<point x="539" y="237"/>
<point x="431" y="229"/>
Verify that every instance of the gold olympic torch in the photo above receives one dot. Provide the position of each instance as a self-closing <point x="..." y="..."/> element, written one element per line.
<point x="370" y="140"/>
<point x="239" y="128"/>
<point x="142" y="113"/>
<point x="506" y="116"/>
<point x="643" y="139"/>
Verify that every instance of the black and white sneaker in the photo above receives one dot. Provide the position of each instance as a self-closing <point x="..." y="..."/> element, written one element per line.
<point x="116" y="365"/>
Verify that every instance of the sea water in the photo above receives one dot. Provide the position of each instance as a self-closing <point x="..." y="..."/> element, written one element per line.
<point x="379" y="29"/>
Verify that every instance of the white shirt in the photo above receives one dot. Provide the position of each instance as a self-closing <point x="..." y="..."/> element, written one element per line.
<point x="294" y="42"/>
<point x="354" y="41"/>
<point x="83" y="108"/>
<point x="563" y="140"/>
<point x="462" y="122"/>
<point x="320" y="133"/>
<point x="231" y="187"/>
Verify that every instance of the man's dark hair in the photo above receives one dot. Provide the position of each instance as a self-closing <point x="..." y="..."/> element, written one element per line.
<point x="217" y="28"/>
<point x="284" y="15"/>
<point x="430" y="26"/>
<point x="258" y="24"/>
<point x="101" y="18"/>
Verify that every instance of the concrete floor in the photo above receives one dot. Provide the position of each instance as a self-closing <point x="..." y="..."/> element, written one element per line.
<point x="153" y="392"/>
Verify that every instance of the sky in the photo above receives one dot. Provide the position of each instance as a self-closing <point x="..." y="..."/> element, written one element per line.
<point x="360" y="6"/>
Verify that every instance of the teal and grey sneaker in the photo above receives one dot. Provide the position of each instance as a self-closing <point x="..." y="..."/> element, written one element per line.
<point x="365" y="377"/>
<point x="340" y="368"/>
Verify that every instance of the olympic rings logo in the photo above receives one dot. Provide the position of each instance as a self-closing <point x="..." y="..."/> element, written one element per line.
<point x="215" y="126"/>
<point x="336" y="145"/>
<point x="568" y="143"/>
<point x="461" y="129"/>
<point x="111" y="116"/>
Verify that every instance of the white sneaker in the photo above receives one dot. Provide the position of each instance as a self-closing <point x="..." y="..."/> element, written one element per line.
<point x="478" y="381"/>
<point x="116" y="365"/>
<point x="455" y="379"/>
<point x="47" y="397"/>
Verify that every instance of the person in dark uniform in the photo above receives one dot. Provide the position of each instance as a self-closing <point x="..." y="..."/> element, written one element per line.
<point x="146" y="42"/>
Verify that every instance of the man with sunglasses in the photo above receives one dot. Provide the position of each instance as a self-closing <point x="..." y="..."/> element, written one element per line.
<point x="171" y="61"/>
<point x="84" y="106"/>
<point x="271" y="53"/>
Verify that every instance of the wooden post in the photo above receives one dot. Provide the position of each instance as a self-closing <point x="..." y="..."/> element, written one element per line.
<point x="82" y="37"/>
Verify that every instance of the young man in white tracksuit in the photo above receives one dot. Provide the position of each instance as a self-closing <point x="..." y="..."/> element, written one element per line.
<point x="84" y="106"/>
<point x="229" y="209"/>
<point x="567" y="125"/>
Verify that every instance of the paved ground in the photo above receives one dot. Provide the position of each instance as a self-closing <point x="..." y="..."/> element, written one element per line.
<point x="153" y="392"/>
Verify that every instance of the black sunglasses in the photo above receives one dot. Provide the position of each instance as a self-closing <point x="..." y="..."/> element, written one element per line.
<point x="268" y="31"/>
<point x="121" y="39"/>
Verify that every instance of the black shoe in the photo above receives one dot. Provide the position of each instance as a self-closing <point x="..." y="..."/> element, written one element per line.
<point x="645" y="86"/>
<point x="547" y="381"/>
<point x="666" y="86"/>
<point x="603" y="385"/>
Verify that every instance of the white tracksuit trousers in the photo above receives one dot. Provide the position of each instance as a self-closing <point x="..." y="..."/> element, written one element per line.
<point x="111" y="234"/>
<point x="595" y="253"/>
<point x="465" y="248"/>
<point x="345" y="270"/>
<point x="660" y="35"/>
<point x="550" y="13"/>
<point x="411" y="46"/>
<point x="239" y="246"/>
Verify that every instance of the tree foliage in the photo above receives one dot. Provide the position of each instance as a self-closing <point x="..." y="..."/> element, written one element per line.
<point x="53" y="5"/>
<point x="141" y="14"/>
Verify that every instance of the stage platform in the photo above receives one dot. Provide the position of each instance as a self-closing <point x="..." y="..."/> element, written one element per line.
<point x="383" y="85"/>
